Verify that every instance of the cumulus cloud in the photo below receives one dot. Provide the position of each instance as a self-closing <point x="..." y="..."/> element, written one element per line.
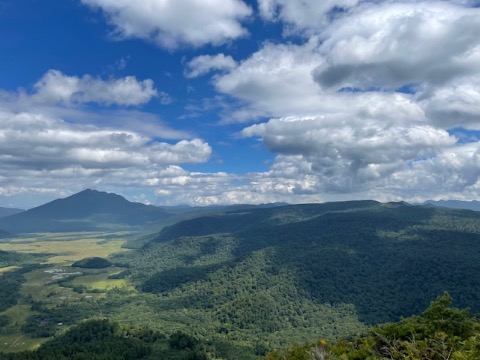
<point x="303" y="15"/>
<point x="171" y="23"/>
<point x="277" y="81"/>
<point x="38" y="153"/>
<point x="274" y="81"/>
<point x="42" y="143"/>
<point x="457" y="104"/>
<point x="56" y="87"/>
<point x="387" y="46"/>
<point x="204" y="64"/>
<point x="57" y="95"/>
<point x="175" y="185"/>
<point x="363" y="108"/>
<point x="429" y="48"/>
<point x="352" y="154"/>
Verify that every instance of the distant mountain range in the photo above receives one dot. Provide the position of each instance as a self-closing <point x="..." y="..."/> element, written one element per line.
<point x="9" y="211"/>
<point x="87" y="210"/>
<point x="91" y="210"/>
<point x="455" y="204"/>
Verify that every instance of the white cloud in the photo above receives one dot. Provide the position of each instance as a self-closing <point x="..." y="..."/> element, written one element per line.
<point x="390" y="45"/>
<point x="204" y="64"/>
<point x="37" y="142"/>
<point x="372" y="143"/>
<point x="457" y="104"/>
<point x="376" y="47"/>
<point x="172" y="23"/>
<point x="303" y="15"/>
<point x="57" y="88"/>
<point x="57" y="95"/>
<point x="221" y="188"/>
<point x="274" y="81"/>
<point x="352" y="155"/>
<point x="453" y="173"/>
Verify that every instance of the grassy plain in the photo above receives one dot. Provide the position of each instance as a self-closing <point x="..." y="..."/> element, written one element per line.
<point x="98" y="280"/>
<point x="66" y="248"/>
<point x="19" y="342"/>
<point x="54" y="283"/>
<point x="14" y="340"/>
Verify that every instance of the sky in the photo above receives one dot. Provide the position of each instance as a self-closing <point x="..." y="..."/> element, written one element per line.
<point x="206" y="102"/>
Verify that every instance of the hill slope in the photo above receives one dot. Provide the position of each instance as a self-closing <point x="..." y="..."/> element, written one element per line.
<point x="84" y="211"/>
<point x="314" y="266"/>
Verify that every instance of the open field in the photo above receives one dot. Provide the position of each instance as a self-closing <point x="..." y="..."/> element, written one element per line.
<point x="14" y="339"/>
<point x="43" y="285"/>
<point x="98" y="280"/>
<point x="18" y="314"/>
<point x="19" y="342"/>
<point x="66" y="248"/>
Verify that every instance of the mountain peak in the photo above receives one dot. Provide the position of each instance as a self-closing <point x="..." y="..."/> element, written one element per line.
<point x="86" y="210"/>
<point x="89" y="191"/>
<point x="95" y="193"/>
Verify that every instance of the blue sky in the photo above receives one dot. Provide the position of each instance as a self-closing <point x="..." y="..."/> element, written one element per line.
<point x="229" y="101"/>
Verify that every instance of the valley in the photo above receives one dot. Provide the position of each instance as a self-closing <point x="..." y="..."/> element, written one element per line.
<point x="44" y="282"/>
<point x="241" y="281"/>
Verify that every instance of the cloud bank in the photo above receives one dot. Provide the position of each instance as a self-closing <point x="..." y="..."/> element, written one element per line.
<point x="356" y="99"/>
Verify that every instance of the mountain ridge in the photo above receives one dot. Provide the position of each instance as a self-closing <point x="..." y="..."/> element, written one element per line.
<point x="473" y="205"/>
<point x="84" y="211"/>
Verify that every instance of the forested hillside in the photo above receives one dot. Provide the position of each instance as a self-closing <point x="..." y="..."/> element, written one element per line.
<point x="441" y="332"/>
<point x="314" y="267"/>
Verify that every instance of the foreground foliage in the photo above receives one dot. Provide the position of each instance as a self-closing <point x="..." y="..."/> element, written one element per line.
<point x="102" y="339"/>
<point x="442" y="332"/>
